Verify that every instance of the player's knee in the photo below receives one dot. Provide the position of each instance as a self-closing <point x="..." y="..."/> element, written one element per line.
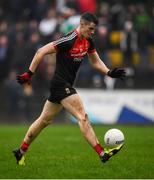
<point x="45" y="120"/>
<point x="45" y="123"/>
<point x="83" y="119"/>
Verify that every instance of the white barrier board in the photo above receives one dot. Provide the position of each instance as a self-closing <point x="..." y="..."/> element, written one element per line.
<point x="109" y="107"/>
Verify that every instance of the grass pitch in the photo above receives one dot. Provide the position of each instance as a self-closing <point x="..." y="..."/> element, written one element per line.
<point x="60" y="151"/>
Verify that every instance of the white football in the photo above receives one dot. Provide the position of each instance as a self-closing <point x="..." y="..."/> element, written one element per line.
<point x="114" y="138"/>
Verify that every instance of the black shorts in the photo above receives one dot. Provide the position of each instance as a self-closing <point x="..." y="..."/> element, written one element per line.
<point x="58" y="93"/>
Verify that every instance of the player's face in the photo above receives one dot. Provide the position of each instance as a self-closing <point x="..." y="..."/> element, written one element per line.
<point x="88" y="28"/>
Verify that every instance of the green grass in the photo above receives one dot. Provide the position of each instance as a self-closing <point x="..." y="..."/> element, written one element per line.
<point x="61" y="152"/>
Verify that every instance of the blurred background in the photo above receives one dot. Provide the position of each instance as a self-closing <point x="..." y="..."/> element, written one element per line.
<point x="124" y="38"/>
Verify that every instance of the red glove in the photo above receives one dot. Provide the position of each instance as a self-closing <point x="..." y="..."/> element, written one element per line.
<point x="25" y="78"/>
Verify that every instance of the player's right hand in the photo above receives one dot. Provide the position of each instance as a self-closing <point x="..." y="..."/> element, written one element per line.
<point x="25" y="77"/>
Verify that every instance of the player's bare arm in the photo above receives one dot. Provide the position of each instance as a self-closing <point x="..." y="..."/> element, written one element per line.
<point x="47" y="49"/>
<point x="38" y="57"/>
<point x="97" y="63"/>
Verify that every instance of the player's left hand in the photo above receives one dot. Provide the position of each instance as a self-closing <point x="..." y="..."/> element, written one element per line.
<point x="117" y="73"/>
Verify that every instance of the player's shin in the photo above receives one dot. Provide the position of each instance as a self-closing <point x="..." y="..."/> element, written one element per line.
<point x="90" y="136"/>
<point x="35" y="129"/>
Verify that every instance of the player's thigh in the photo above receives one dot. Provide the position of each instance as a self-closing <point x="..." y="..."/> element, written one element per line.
<point x="74" y="105"/>
<point x="50" y="110"/>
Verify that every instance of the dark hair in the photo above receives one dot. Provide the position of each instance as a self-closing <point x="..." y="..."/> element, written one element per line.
<point x="90" y="17"/>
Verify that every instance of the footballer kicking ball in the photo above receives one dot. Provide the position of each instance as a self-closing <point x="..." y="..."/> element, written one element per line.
<point x="114" y="138"/>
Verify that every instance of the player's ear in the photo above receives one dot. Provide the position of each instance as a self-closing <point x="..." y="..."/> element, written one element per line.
<point x="82" y="23"/>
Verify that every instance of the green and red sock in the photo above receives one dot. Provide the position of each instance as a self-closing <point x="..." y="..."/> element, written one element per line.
<point x="24" y="147"/>
<point x="99" y="149"/>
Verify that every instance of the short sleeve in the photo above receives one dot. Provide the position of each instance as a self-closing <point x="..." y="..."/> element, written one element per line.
<point x="91" y="46"/>
<point x="65" y="43"/>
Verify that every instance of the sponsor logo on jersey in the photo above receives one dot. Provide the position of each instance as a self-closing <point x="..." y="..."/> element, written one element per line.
<point x="80" y="54"/>
<point x="77" y="59"/>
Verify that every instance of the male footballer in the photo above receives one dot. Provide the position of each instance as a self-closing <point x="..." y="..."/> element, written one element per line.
<point x="70" y="51"/>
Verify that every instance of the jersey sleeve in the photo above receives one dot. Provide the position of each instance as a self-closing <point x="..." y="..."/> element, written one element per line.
<point x="65" y="43"/>
<point x="91" y="46"/>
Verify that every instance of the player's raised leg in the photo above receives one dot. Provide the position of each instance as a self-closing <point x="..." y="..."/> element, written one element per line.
<point x="75" y="106"/>
<point x="49" y="111"/>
